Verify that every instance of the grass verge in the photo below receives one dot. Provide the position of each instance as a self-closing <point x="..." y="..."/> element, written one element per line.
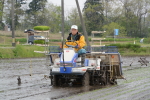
<point x="21" y="51"/>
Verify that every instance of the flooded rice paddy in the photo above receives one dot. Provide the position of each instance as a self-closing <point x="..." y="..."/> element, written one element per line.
<point x="35" y="84"/>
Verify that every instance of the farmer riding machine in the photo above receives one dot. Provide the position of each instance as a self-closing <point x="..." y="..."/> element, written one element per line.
<point x="102" y="64"/>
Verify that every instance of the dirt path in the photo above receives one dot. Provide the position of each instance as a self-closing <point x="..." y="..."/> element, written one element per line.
<point x="37" y="87"/>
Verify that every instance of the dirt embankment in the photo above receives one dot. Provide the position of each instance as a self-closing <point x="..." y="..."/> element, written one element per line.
<point x="35" y="84"/>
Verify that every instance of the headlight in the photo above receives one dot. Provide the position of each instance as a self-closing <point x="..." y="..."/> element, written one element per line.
<point x="56" y="69"/>
<point x="78" y="70"/>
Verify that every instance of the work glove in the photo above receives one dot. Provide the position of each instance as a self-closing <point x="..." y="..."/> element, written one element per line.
<point x="77" y="46"/>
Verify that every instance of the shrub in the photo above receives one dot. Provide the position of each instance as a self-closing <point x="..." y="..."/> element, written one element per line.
<point x="147" y="40"/>
<point x="15" y="52"/>
<point x="55" y="40"/>
<point x="1" y="56"/>
<point x="39" y="41"/>
<point x="117" y="45"/>
<point x="136" y="45"/>
<point x="6" y="53"/>
<point x="128" y="46"/>
<point x="26" y="51"/>
<point x="23" y="40"/>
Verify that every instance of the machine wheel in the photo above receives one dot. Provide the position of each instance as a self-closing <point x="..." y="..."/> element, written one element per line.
<point x="55" y="80"/>
<point x="30" y="42"/>
<point x="85" y="80"/>
<point x="92" y="78"/>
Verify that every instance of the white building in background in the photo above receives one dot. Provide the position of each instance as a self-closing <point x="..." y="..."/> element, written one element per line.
<point x="7" y="28"/>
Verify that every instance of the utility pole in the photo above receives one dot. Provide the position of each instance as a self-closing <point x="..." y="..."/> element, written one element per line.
<point x="83" y="24"/>
<point x="13" y="30"/>
<point x="62" y="32"/>
<point x="62" y="15"/>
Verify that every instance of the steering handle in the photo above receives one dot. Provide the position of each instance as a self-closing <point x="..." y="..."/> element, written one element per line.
<point x="71" y="45"/>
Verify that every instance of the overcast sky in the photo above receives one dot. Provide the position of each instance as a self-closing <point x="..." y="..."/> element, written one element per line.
<point x="68" y="4"/>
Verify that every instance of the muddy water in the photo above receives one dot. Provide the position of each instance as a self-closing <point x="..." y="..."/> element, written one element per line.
<point x="129" y="63"/>
<point x="36" y="86"/>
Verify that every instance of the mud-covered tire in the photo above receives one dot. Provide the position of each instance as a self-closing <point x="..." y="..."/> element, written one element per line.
<point x="55" y="80"/>
<point x="86" y="79"/>
<point x="30" y="42"/>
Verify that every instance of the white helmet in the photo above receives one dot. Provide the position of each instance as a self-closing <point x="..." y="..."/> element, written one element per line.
<point x="74" y="27"/>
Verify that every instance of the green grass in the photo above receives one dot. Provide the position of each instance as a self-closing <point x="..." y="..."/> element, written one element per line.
<point x="21" y="51"/>
<point x="132" y="49"/>
<point x="27" y="51"/>
<point x="21" y="40"/>
<point x="24" y="40"/>
<point x="125" y="46"/>
<point x="5" y="45"/>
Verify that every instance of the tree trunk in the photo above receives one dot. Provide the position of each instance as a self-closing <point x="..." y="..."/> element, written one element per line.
<point x="1" y="17"/>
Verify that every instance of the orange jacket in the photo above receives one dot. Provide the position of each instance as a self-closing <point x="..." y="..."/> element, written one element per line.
<point x="79" y="39"/>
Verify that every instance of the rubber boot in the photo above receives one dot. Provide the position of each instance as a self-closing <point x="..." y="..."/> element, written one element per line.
<point x="82" y="60"/>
